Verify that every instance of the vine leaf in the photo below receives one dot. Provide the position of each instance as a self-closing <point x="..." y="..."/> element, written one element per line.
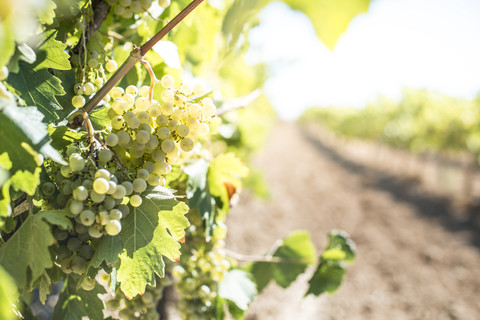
<point x="25" y="255"/>
<point x="57" y="217"/>
<point x="76" y="304"/>
<point x="8" y="294"/>
<point x="238" y="288"/>
<point x="44" y="287"/>
<point x="330" y="271"/>
<point x="298" y="252"/>
<point x="51" y="53"/>
<point x="38" y="88"/>
<point x="108" y="250"/>
<point x="149" y="232"/>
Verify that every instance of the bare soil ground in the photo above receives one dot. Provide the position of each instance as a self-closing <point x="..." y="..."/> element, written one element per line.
<point x="418" y="251"/>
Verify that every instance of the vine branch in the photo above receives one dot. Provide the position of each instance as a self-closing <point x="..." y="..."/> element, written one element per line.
<point x="135" y="56"/>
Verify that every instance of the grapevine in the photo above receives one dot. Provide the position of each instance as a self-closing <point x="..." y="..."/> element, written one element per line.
<point x="116" y="179"/>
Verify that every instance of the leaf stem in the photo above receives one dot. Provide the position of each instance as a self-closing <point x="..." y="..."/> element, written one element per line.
<point x="137" y="55"/>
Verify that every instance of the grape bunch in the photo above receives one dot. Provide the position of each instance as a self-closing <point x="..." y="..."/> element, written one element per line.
<point x="153" y="136"/>
<point x="142" y="307"/>
<point x="197" y="283"/>
<point x="128" y="8"/>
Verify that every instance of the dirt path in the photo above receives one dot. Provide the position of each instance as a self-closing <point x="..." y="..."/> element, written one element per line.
<point x="418" y="255"/>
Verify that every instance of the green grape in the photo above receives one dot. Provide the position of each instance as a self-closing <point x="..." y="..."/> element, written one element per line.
<point x="149" y="166"/>
<point x="129" y="99"/>
<point x="74" y="244"/>
<point x="158" y="156"/>
<point x="80" y="193"/>
<point x="186" y="144"/>
<point x="155" y="110"/>
<point x="95" y="231"/>
<point x="128" y="187"/>
<point x="133" y="122"/>
<point x="102" y="173"/>
<point x="78" y="101"/>
<point x="102" y="217"/>
<point x="203" y="129"/>
<point x="60" y="234"/>
<point x="164" y="3"/>
<point x="163" y="133"/>
<point x="66" y="171"/>
<point x="144" y="90"/>
<point x="89" y="88"/>
<point x="139" y="185"/>
<point x="88" y="284"/>
<point x="76" y="162"/>
<point x="109" y="203"/>
<point x="48" y="188"/>
<point x="142" y="103"/>
<point x="66" y="187"/>
<point x="167" y="96"/>
<point x="118" y="122"/>
<point x="115" y="214"/>
<point x="135" y="200"/>
<point x="113" y="227"/>
<point x="123" y="138"/>
<point x="120" y="192"/>
<point x="195" y="110"/>
<point x="63" y="252"/>
<point x="182" y="130"/>
<point x="93" y="63"/>
<point x="198" y="90"/>
<point x="168" y="146"/>
<point x="105" y="155"/>
<point x="179" y="115"/>
<point x="161" y="120"/>
<point x="116" y="93"/>
<point x="209" y="109"/>
<point x="167" y="108"/>
<point x="78" y="265"/>
<point x="167" y="81"/>
<point x="75" y="207"/>
<point x="87" y="217"/>
<point x="98" y="83"/>
<point x="185" y="89"/>
<point x="111" y="66"/>
<point x="142" y="137"/>
<point x="152" y="143"/>
<point x="101" y="185"/>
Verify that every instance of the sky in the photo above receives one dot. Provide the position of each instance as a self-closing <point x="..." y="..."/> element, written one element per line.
<point x="431" y="44"/>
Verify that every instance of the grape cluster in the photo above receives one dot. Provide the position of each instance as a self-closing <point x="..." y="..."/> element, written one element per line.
<point x="198" y="277"/>
<point x="152" y="135"/>
<point x="142" y="307"/>
<point x="128" y="8"/>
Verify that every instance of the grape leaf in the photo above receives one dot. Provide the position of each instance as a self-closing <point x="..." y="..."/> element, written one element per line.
<point x="8" y="294"/>
<point x="38" y="88"/>
<point x="149" y="232"/>
<point x="44" y="287"/>
<point x="62" y="136"/>
<point x="7" y="42"/>
<point x="51" y="53"/>
<point x="330" y="271"/>
<point x="25" y="255"/>
<point x="26" y="181"/>
<point x="297" y="253"/>
<point x="108" y="250"/>
<point x="238" y="288"/>
<point x="57" y="217"/>
<point x="100" y="118"/>
<point x="76" y="304"/>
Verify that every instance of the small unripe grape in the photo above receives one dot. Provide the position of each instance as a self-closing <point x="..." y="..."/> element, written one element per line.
<point x="78" y="101"/>
<point x="81" y="229"/>
<point x="149" y="166"/>
<point x="172" y="125"/>
<point x="155" y="110"/>
<point x="119" y="10"/>
<point x="111" y="114"/>
<point x="63" y="252"/>
<point x="127" y="14"/>
<point x="89" y="88"/>
<point x="142" y="103"/>
<point x="117" y="122"/>
<point x="116" y="92"/>
<point x="76" y="162"/>
<point x="109" y="203"/>
<point x="105" y="155"/>
<point x="74" y="244"/>
<point x="103" y="173"/>
<point x="66" y="187"/>
<point x="111" y="139"/>
<point x="112" y="186"/>
<point x="101" y="185"/>
<point x="145" y="3"/>
<point x="87" y="217"/>
<point x="102" y="217"/>
<point x="185" y="89"/>
<point x="3" y="73"/>
<point x="119" y="106"/>
<point x="87" y="183"/>
<point x="163" y="133"/>
<point x="48" y="188"/>
<point x="144" y="118"/>
<point x="123" y="138"/>
<point x="60" y="234"/>
<point x="167" y="80"/>
<point x="142" y="174"/>
<point x="203" y="129"/>
<point x="155" y="180"/>
<point x="93" y="63"/>
<point x="96" y="197"/>
<point x="111" y="66"/>
<point x="195" y="110"/>
<point x="79" y="265"/>
<point x="182" y="130"/>
<point x="135" y="200"/>
<point x="128" y="187"/>
<point x="129" y="99"/>
<point x="167" y="96"/>
<point x="158" y="156"/>
<point x="113" y="227"/>
<point x="72" y="149"/>
<point x="95" y="231"/>
<point x="142" y="137"/>
<point x="162" y="168"/>
<point x="152" y="143"/>
<point x="86" y="252"/>
<point x="161" y="120"/>
<point x="94" y="54"/>
<point x="198" y="90"/>
<point x="120" y="192"/>
<point x="192" y="123"/>
<point x="79" y="89"/>
<point x="133" y="123"/>
<point x="66" y="171"/>
<point x="88" y="284"/>
<point x="139" y="185"/>
<point x="131" y="89"/>
<point x="61" y="200"/>
<point x="144" y="91"/>
<point x="66" y="265"/>
<point x="115" y="214"/>
<point x="186" y="144"/>
<point x="80" y="193"/>
<point x="124" y="209"/>
<point x="168" y="146"/>
<point x="75" y="207"/>
<point x="167" y="108"/>
<point x="136" y="7"/>
<point x="98" y="82"/>
<point x="179" y="115"/>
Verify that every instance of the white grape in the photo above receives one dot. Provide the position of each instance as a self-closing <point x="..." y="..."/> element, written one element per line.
<point x="142" y="137"/>
<point x="116" y="92"/>
<point x="144" y="118"/>
<point x="79" y="89"/>
<point x="129" y="99"/>
<point x="111" y="139"/>
<point x="172" y="125"/>
<point x="167" y="108"/>
<point x="95" y="231"/>
<point x="101" y="185"/>
<point x="113" y="227"/>
<point x="163" y="133"/>
<point x="89" y="88"/>
<point x="98" y="82"/>
<point x="145" y="4"/>
<point x="131" y="89"/>
<point x="186" y="144"/>
<point x="167" y="96"/>
<point x="198" y="90"/>
<point x="158" y="156"/>
<point x="123" y="138"/>
<point x="87" y="217"/>
<point x="139" y="185"/>
<point x="135" y="200"/>
<point x="115" y="214"/>
<point x="209" y="110"/>
<point x="120" y="192"/>
<point x="102" y="173"/>
<point x="144" y="91"/>
<point x="149" y="166"/>
<point x="161" y="120"/>
<point x="185" y="89"/>
<point x="109" y="203"/>
<point x="133" y="122"/>
<point x="142" y="103"/>
<point x="143" y="174"/>
<point x="93" y="63"/>
<point x="203" y="129"/>
<point x="76" y="162"/>
<point x="118" y="122"/>
<point x="96" y="197"/>
<point x="102" y="217"/>
<point x="78" y="101"/>
<point x="195" y="110"/>
<point x="80" y="193"/>
<point x="152" y="142"/>
<point x="155" y="180"/>
<point x="162" y="168"/>
<point x="119" y="106"/>
<point x="66" y="171"/>
<point x="179" y="114"/>
<point x="128" y="187"/>
<point x="168" y="146"/>
<point x="112" y="186"/>
<point x="182" y="130"/>
<point x="105" y="155"/>
<point x="75" y="207"/>
<point x="111" y="66"/>
<point x="119" y="10"/>
<point x="155" y="110"/>
<point x="167" y="80"/>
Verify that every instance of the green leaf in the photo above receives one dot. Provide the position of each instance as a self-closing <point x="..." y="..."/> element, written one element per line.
<point x="7" y="42"/>
<point x="340" y="240"/>
<point x="25" y="255"/>
<point x="100" y="118"/>
<point x="38" y="88"/>
<point x="48" y="14"/>
<point x="149" y="232"/>
<point x="57" y="217"/>
<point x="44" y="288"/>
<point x="262" y="272"/>
<point x="108" y="250"/>
<point x="51" y="53"/>
<point x="76" y="304"/>
<point x="238" y="288"/>
<point x="8" y="295"/>
<point x="26" y="181"/>
<point x="327" y="278"/>
<point x="62" y="136"/>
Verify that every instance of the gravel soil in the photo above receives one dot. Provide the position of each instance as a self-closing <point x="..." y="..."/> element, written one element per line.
<point x="417" y="250"/>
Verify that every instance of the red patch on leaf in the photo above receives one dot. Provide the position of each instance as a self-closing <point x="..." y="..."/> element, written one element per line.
<point x="231" y="189"/>
<point x="182" y="240"/>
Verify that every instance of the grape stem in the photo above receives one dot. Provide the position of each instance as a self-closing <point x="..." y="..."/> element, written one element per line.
<point x="137" y="55"/>
<point x="153" y="79"/>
